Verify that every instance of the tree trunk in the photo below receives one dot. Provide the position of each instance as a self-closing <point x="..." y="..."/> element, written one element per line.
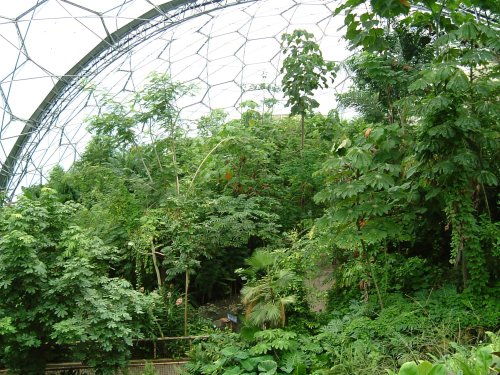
<point x="155" y="264"/>
<point x="186" y="303"/>
<point x="174" y="161"/>
<point x="372" y="275"/>
<point x="302" y="132"/>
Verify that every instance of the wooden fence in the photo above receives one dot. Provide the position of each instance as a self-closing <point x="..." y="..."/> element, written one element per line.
<point x="163" y="367"/>
<point x="155" y="349"/>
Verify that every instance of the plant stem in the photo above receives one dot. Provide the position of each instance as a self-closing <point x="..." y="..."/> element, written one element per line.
<point x="486" y="201"/>
<point x="174" y="161"/>
<point x="155" y="264"/>
<point x="153" y="142"/>
<point x="372" y="274"/>
<point x="186" y="303"/>
<point x="204" y="160"/>
<point x="302" y="116"/>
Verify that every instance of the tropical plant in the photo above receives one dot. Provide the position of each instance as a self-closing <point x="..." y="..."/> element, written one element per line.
<point x="266" y="297"/>
<point x="273" y="351"/>
<point x="6" y="326"/>
<point x="367" y="201"/>
<point x="304" y="71"/>
<point x="456" y="116"/>
<point x="381" y="203"/>
<point x="55" y="289"/>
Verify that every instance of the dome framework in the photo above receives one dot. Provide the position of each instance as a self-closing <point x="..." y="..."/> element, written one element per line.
<point x="225" y="48"/>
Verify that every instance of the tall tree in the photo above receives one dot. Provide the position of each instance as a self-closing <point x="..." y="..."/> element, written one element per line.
<point x="304" y="71"/>
<point x="456" y="115"/>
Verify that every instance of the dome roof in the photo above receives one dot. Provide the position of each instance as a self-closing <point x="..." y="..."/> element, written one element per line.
<point x="53" y="51"/>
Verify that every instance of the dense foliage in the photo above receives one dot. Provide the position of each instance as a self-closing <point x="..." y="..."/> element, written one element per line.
<point x="398" y="207"/>
<point x="56" y="290"/>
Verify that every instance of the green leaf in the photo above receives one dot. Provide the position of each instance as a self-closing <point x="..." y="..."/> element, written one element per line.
<point x="438" y="370"/>
<point x="443" y="73"/>
<point x="390" y="8"/>
<point x="484" y="358"/>
<point x="424" y="367"/>
<point x="236" y="370"/>
<point x="487" y="178"/>
<point x="433" y="192"/>
<point x="250" y="363"/>
<point x="458" y="82"/>
<point x="261" y="347"/>
<point x="468" y="124"/>
<point x="438" y="103"/>
<point x="442" y="130"/>
<point x="346" y="143"/>
<point x="232" y="351"/>
<point x="267" y="367"/>
<point x="348" y="189"/>
<point x="359" y="157"/>
<point x="419" y="84"/>
<point x="408" y="368"/>
<point x="446" y="39"/>
<point x="468" y="31"/>
<point x="346" y="5"/>
<point x="380" y="180"/>
<point x="445" y="167"/>
<point x="478" y="57"/>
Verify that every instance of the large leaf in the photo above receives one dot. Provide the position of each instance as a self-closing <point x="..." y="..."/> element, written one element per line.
<point x="424" y="367"/>
<point x="267" y="367"/>
<point x="438" y="370"/>
<point x="348" y="189"/>
<point x="437" y="103"/>
<point x="359" y="158"/>
<point x="236" y="370"/>
<point x="458" y="81"/>
<point x="488" y="178"/>
<point x="419" y="84"/>
<point x="409" y="368"/>
<point x="390" y="8"/>
<point x="294" y="362"/>
<point x="234" y="352"/>
<point x="380" y="180"/>
<point x="468" y="31"/>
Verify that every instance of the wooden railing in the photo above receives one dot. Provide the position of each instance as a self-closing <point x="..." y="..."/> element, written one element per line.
<point x="136" y="367"/>
<point x="163" y="367"/>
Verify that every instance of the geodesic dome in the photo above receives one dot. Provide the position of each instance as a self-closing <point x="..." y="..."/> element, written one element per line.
<point x="52" y="50"/>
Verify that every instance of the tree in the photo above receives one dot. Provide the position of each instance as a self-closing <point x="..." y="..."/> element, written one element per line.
<point x="455" y="117"/>
<point x="211" y="124"/>
<point x="367" y="201"/>
<point x="54" y="290"/>
<point x="304" y="71"/>
<point x="457" y="147"/>
<point x="159" y="109"/>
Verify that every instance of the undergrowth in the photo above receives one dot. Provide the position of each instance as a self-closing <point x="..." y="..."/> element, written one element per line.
<point x="439" y="327"/>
